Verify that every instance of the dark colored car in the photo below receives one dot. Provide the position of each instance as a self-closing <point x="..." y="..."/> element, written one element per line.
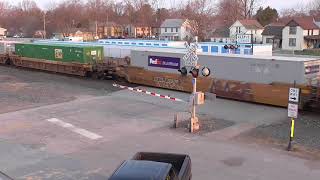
<point x="154" y="166"/>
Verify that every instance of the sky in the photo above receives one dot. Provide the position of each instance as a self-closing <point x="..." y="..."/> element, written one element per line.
<point x="278" y="4"/>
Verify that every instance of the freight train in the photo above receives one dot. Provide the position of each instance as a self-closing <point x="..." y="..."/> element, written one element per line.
<point x="259" y="79"/>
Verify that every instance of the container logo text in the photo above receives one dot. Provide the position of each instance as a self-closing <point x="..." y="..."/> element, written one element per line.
<point x="164" y="62"/>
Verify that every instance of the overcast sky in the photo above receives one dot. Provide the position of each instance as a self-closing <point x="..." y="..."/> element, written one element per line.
<point x="278" y="4"/>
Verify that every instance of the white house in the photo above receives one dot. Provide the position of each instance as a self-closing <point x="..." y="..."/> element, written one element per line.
<point x="176" y="29"/>
<point x="247" y="26"/>
<point x="272" y="34"/>
<point x="2" y="32"/>
<point x="300" y="33"/>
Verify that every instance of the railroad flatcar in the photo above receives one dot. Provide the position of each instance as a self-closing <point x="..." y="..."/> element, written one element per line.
<point x="259" y="79"/>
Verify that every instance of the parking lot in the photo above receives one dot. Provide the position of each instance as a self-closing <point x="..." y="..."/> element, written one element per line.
<point x="64" y="127"/>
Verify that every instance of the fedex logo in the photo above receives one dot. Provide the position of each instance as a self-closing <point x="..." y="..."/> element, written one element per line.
<point x="155" y="61"/>
<point x="164" y="62"/>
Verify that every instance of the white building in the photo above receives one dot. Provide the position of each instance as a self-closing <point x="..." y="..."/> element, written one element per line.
<point x="176" y="29"/>
<point x="272" y="34"/>
<point x="3" y="32"/>
<point x="300" y="33"/>
<point x="247" y="26"/>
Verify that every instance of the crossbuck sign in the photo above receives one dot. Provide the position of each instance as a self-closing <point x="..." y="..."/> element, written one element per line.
<point x="191" y="58"/>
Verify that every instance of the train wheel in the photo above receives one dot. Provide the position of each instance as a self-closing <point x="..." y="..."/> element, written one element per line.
<point x="88" y="74"/>
<point x="95" y="75"/>
<point x="8" y="62"/>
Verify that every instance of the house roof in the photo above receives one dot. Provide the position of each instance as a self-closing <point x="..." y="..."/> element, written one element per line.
<point x="273" y="29"/>
<point x="3" y="29"/>
<point x="221" y="32"/>
<point x="173" y="23"/>
<point x="251" y="24"/>
<point x="305" y="22"/>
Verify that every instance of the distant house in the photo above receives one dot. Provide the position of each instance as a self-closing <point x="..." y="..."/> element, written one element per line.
<point x="272" y="34"/>
<point x="300" y="33"/>
<point x="176" y="29"/>
<point x="138" y="31"/>
<point x="75" y="34"/>
<point x="221" y="35"/>
<point x="39" y="34"/>
<point x="83" y="34"/>
<point x="3" y="32"/>
<point x="247" y="26"/>
<point x="107" y="29"/>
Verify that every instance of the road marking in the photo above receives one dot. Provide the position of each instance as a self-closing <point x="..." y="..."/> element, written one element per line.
<point x="72" y="128"/>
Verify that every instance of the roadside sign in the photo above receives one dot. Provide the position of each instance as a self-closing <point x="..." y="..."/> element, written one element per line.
<point x="292" y="110"/>
<point x="294" y="95"/>
<point x="244" y="38"/>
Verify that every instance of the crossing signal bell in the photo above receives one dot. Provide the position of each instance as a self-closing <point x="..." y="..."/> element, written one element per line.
<point x="183" y="71"/>
<point x="194" y="72"/>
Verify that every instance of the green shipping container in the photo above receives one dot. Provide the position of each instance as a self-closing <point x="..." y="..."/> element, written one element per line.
<point x="62" y="53"/>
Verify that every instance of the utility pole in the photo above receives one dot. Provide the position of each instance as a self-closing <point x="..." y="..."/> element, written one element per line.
<point x="44" y="26"/>
<point x="96" y="28"/>
<point x="194" y="126"/>
<point x="96" y="18"/>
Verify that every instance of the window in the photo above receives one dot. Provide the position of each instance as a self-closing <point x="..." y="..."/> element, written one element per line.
<point x="292" y="30"/>
<point x="171" y="29"/>
<point x="205" y="48"/>
<point x="269" y="40"/>
<point x="165" y="29"/>
<point x="255" y="31"/>
<point x="310" y="32"/>
<point x="177" y="29"/>
<point x="292" y="42"/>
<point x="238" y="30"/>
<point x="214" y="49"/>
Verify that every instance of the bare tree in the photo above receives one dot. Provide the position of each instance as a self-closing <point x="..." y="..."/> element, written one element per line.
<point x="238" y="9"/>
<point x="314" y="8"/>
<point x="247" y="7"/>
<point x="228" y="11"/>
<point x="201" y="12"/>
<point x="27" y="5"/>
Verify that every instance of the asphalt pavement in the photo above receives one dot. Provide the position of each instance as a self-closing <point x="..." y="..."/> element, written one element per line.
<point x="88" y="136"/>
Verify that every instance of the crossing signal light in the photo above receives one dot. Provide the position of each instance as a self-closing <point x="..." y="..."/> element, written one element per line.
<point x="183" y="71"/>
<point x="206" y="72"/>
<point x="231" y="46"/>
<point x="194" y="72"/>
